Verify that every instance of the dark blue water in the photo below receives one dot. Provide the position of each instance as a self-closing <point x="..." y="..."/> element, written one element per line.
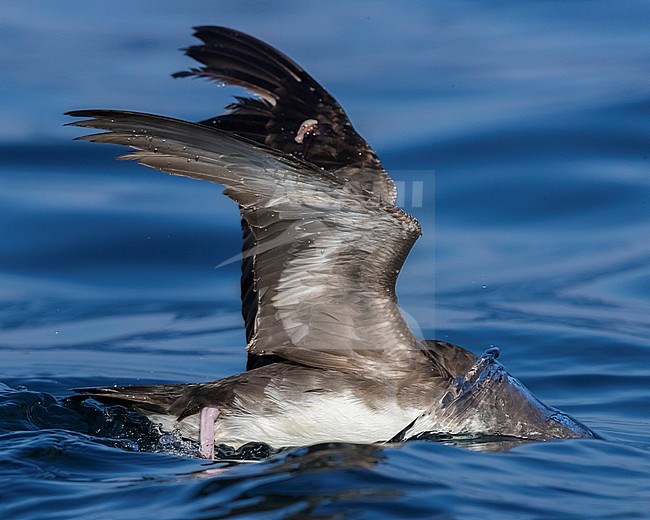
<point x="526" y="125"/>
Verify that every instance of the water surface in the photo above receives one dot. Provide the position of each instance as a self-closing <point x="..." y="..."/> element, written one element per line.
<point x="525" y="124"/>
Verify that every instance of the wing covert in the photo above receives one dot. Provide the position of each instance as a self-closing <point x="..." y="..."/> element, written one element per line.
<point x="292" y="113"/>
<point x="327" y="253"/>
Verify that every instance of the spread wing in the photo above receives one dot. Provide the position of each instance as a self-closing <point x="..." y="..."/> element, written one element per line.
<point x="327" y="253"/>
<point x="291" y="113"/>
<point x="287" y="98"/>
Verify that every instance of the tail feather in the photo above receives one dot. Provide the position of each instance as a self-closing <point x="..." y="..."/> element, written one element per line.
<point x="146" y="398"/>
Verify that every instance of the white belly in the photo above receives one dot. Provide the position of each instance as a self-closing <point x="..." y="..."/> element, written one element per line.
<point x="314" y="419"/>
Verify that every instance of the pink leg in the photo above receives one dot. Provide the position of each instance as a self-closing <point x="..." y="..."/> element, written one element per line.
<point x="207" y="416"/>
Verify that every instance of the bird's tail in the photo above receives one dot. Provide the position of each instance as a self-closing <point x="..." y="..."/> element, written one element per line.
<point x="145" y="398"/>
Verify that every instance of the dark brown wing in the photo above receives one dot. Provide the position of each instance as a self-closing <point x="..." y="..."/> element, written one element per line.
<point x="452" y="359"/>
<point x="327" y="253"/>
<point x="288" y="97"/>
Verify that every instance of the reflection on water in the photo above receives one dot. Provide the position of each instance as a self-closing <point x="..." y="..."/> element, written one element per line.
<point x="525" y="126"/>
<point x="291" y="482"/>
<point x="487" y="443"/>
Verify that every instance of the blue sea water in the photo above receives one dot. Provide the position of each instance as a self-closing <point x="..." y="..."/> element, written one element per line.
<point x="518" y="134"/>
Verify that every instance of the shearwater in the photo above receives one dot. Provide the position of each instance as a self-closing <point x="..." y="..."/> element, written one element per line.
<point x="330" y="356"/>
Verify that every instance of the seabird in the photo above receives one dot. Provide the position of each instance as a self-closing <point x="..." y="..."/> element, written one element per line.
<point x="330" y="356"/>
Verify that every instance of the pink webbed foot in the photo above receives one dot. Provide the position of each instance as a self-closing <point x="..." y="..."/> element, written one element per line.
<point x="207" y="416"/>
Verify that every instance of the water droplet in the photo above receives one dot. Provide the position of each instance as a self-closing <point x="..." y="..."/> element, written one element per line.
<point x="166" y="439"/>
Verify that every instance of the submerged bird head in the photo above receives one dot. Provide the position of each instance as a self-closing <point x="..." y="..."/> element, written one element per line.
<point x="489" y="400"/>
